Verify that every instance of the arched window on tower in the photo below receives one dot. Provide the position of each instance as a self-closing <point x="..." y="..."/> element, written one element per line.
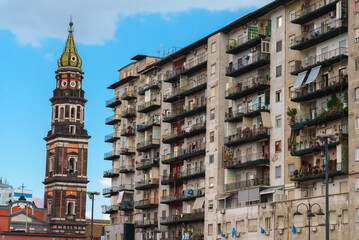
<point x="67" y="111"/>
<point x="56" y="112"/>
<point x="51" y="165"/>
<point x="78" y="112"/>
<point x="71" y="167"/>
<point x="72" y="114"/>
<point x="70" y="208"/>
<point x="62" y="112"/>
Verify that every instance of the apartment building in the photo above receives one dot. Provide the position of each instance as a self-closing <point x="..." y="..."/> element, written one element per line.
<point x="228" y="134"/>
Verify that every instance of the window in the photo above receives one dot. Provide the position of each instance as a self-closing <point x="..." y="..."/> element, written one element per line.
<point x="279" y="21"/>
<point x="212" y="114"/>
<point x="280" y="220"/>
<point x="210" y="229"/>
<point x="267" y="223"/>
<point x="213" y="69"/>
<point x="71" y="166"/>
<point x="278" y="96"/>
<point x="252" y="225"/>
<point x="78" y="113"/>
<point x="213" y="92"/>
<point x="72" y="129"/>
<point x="356" y="34"/>
<point x="345" y="216"/>
<point x="356" y="122"/>
<point x="357" y="154"/>
<point x="213" y="47"/>
<point x="278" y="71"/>
<point x="292" y="15"/>
<point x="211" y="137"/>
<point x="357" y="6"/>
<point x="219" y="229"/>
<point x="211" y="158"/>
<point x="67" y="111"/>
<point x="357" y="218"/>
<point x="278" y="171"/>
<point x="62" y="111"/>
<point x="279" y="46"/>
<point x="240" y="226"/>
<point x="51" y="164"/>
<point x="292" y="66"/>
<point x="211" y="182"/>
<point x="278" y="146"/>
<point x="210" y="205"/>
<point x="56" y="112"/>
<point x="290" y="169"/>
<point x="278" y="121"/>
<point x="49" y="203"/>
<point x="357" y="184"/>
<point x="357" y="94"/>
<point x="70" y="210"/>
<point x="357" y="64"/>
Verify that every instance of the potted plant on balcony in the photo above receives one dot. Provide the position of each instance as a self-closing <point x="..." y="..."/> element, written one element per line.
<point x="296" y="173"/>
<point x="292" y="112"/>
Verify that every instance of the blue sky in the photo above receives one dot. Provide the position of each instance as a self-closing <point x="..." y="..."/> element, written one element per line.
<point x="107" y="36"/>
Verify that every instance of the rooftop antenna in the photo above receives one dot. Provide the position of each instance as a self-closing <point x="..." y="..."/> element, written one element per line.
<point x="22" y="189"/>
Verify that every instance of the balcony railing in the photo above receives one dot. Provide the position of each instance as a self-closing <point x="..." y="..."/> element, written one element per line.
<point x="320" y="88"/>
<point x="250" y="63"/>
<point x="313" y="11"/>
<point x="185" y="111"/>
<point x="126" y="206"/>
<point x="247" y="135"/>
<point x="126" y="187"/>
<point x="147" y="184"/>
<point x="113" y="119"/>
<point x="182" y="218"/>
<point x="129" y="95"/>
<point x="320" y="34"/>
<point x="111" y="173"/>
<point x="108" y="209"/>
<point x="113" y="102"/>
<point x="154" y="121"/>
<point x="256" y="159"/>
<point x="247" y="183"/>
<point x="110" y="191"/>
<point x="112" y="155"/>
<point x="196" y="149"/>
<point x="127" y="150"/>
<point x="154" y="84"/>
<point x="112" y="137"/>
<point x="246" y="111"/>
<point x="149" y="144"/>
<point x="147" y="203"/>
<point x="127" y="169"/>
<point x="246" y="42"/>
<point x="189" y="132"/>
<point x="245" y="88"/>
<point x="190" y="173"/>
<point x="146" y="223"/>
<point x="318" y="172"/>
<point x="149" y="106"/>
<point x="128" y="131"/>
<point x="186" y="195"/>
<point x="147" y="163"/>
<point x="129" y="112"/>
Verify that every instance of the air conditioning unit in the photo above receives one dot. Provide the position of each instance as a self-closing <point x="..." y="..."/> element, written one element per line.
<point x="223" y="211"/>
<point x="331" y="227"/>
<point x="331" y="14"/>
<point x="280" y="231"/>
<point x="253" y="49"/>
<point x="305" y="28"/>
<point x="314" y="229"/>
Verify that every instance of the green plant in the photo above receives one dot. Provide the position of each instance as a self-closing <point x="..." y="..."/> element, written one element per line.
<point x="292" y="112"/>
<point x="334" y="103"/>
<point x="317" y="162"/>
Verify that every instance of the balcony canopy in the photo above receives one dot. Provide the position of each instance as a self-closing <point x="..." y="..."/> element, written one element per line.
<point x="313" y="74"/>
<point x="198" y="203"/>
<point x="300" y="79"/>
<point x="248" y="195"/>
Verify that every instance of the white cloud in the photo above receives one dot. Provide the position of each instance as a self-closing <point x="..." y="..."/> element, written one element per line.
<point x="105" y="182"/>
<point x="94" y="21"/>
<point x="88" y="214"/>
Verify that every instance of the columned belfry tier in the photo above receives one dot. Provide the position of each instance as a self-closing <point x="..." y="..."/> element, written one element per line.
<point x="66" y="145"/>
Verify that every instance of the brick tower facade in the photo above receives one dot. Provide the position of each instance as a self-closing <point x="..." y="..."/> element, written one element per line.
<point x="66" y="145"/>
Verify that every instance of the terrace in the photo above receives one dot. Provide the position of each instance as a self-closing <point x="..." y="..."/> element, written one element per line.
<point x="247" y="135"/>
<point x="252" y="110"/>
<point x="257" y="60"/>
<point x="248" y="87"/>
<point x="256" y="159"/>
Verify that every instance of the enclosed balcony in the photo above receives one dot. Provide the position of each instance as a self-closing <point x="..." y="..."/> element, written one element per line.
<point x="320" y="34"/>
<point x="252" y="160"/>
<point x="307" y="173"/>
<point x="129" y="112"/>
<point x="186" y="195"/>
<point x="149" y="144"/>
<point x="194" y="150"/>
<point x="122" y="81"/>
<point x="251" y="63"/>
<point x="113" y="102"/>
<point x="127" y="169"/>
<point x="255" y="182"/>
<point x="113" y="119"/>
<point x="313" y="11"/>
<point x="196" y="85"/>
<point x="190" y="173"/>
<point x="183" y="218"/>
<point x="146" y="203"/>
<point x="149" y="106"/>
<point x="129" y="94"/>
<point x="251" y="40"/>
<point x="247" y="87"/>
<point x="109" y="209"/>
<point x="149" y="124"/>
<point x="113" y="137"/>
<point x="111" y="173"/>
<point x="147" y="184"/>
<point x="111" y="191"/>
<point x="147" y="163"/>
<point x="185" y="111"/>
<point x="127" y="150"/>
<point x="154" y="84"/>
<point x="128" y="131"/>
<point x="252" y="110"/>
<point x="146" y="223"/>
<point x="247" y="135"/>
<point x="126" y="206"/>
<point x="193" y="130"/>
<point x="112" y="155"/>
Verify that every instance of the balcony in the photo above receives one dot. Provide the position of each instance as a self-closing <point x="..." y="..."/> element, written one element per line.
<point x="127" y="169"/>
<point x="318" y="172"/>
<point x="321" y="34"/>
<point x="113" y="119"/>
<point x="146" y="203"/>
<point x="187" y="153"/>
<point x="184" y="175"/>
<point x="245" y="42"/>
<point x="313" y="11"/>
<point x="127" y="151"/>
<point x="187" y="195"/>
<point x="129" y="95"/>
<point x="114" y="102"/>
<point x="247" y="184"/>
<point x="252" y="160"/>
<point x="154" y="84"/>
<point x="320" y="88"/>
<point x="128" y="131"/>
<point x="245" y="88"/>
<point x="111" y="191"/>
<point x="109" y="209"/>
<point x="251" y="63"/>
<point x="193" y="130"/>
<point x="183" y="218"/>
<point x="129" y="112"/>
<point x="185" y="111"/>
<point x="149" y="144"/>
<point x="147" y="184"/>
<point x="247" y="135"/>
<point x="126" y="187"/>
<point x="153" y="122"/>
<point x="111" y="173"/>
<point x="122" y="81"/>
<point x="113" y="137"/>
<point x="147" y="223"/>
<point x="147" y="164"/>
<point x="188" y="68"/>
<point x="252" y="110"/>
<point x="112" y="155"/>
<point x="126" y="206"/>
<point x="195" y="86"/>
<point x="149" y="106"/>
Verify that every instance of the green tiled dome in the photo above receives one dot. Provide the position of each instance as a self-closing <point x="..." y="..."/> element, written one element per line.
<point x="70" y="57"/>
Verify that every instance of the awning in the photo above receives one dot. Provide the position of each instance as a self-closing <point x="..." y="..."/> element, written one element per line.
<point x="120" y="197"/>
<point x="243" y="196"/>
<point x="198" y="203"/>
<point x="300" y="79"/>
<point x="267" y="123"/>
<point x="313" y="74"/>
<point x="224" y="196"/>
<point x="253" y="194"/>
<point x="269" y="190"/>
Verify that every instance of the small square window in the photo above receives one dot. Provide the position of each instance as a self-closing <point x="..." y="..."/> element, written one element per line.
<point x="279" y="46"/>
<point x="278" y="96"/>
<point x="278" y="146"/>
<point x="292" y="15"/>
<point x="278" y="121"/>
<point x="290" y="169"/>
<point x="213" y="92"/>
<point x="357" y="154"/>
<point x="211" y="182"/>
<point x="213" y="47"/>
<point x="213" y="69"/>
<point x="278" y="171"/>
<point x="219" y="229"/>
<point x="357" y="64"/>
<point x="279" y="21"/>
<point x="211" y="158"/>
<point x="210" y="229"/>
<point x="357" y="6"/>
<point x="212" y="114"/>
<point x="357" y="94"/>
<point x="357" y="218"/>
<point x="211" y="137"/>
<point x="356" y="35"/>
<point x="278" y="71"/>
<point x="210" y="205"/>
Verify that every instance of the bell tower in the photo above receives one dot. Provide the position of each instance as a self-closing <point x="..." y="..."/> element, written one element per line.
<point x="66" y="146"/>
